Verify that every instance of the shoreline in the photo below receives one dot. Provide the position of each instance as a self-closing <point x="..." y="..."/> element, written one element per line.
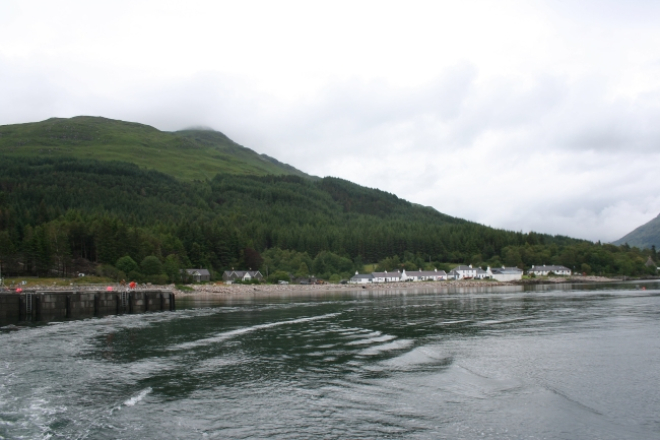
<point x="221" y="289"/>
<point x="235" y="290"/>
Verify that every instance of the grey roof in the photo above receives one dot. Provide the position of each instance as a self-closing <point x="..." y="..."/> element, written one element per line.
<point x="361" y="276"/>
<point x="241" y="273"/>
<point x="548" y="268"/>
<point x="506" y="270"/>
<point x="199" y="271"/>
<point x="386" y="274"/>
<point x="462" y="268"/>
<point x="426" y="273"/>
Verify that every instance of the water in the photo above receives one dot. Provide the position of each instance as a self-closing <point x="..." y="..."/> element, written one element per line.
<point x="552" y="363"/>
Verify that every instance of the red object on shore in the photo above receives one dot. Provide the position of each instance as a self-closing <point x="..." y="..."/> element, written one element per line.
<point x="109" y="288"/>
<point x="19" y="290"/>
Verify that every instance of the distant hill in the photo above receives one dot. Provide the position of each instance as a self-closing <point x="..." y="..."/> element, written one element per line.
<point x="645" y="236"/>
<point x="193" y="154"/>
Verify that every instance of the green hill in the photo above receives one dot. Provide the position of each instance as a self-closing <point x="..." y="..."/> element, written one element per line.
<point x="644" y="236"/>
<point x="186" y="154"/>
<point x="79" y="194"/>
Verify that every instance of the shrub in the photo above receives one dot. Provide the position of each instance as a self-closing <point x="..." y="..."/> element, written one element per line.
<point x="126" y="264"/>
<point x="277" y="276"/>
<point x="151" y="265"/>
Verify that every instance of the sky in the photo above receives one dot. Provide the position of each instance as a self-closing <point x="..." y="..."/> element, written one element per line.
<point x="523" y="115"/>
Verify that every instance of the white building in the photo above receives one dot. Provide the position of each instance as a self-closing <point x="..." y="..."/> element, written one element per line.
<point x="545" y="270"/>
<point x="481" y="274"/>
<point x="462" y="272"/>
<point x="359" y="278"/>
<point x="424" y="275"/>
<point x="505" y="273"/>
<point x="386" y="277"/>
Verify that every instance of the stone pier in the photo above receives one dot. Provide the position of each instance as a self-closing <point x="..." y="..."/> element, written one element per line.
<point x="54" y="305"/>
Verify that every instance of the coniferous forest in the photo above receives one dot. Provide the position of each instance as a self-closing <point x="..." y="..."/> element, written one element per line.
<point x="61" y="216"/>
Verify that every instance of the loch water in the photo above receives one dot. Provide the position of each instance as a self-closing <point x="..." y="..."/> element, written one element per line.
<point x="549" y="362"/>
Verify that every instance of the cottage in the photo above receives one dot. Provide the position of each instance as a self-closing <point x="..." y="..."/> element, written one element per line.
<point x="229" y="276"/>
<point x="651" y="263"/>
<point x="199" y="275"/>
<point x="386" y="277"/>
<point x="505" y="273"/>
<point x="424" y="275"/>
<point x="359" y="278"/>
<point x="545" y="270"/>
<point x="463" y="272"/>
<point x="481" y="274"/>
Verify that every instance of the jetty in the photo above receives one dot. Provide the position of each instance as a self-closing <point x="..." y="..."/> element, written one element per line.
<point x="42" y="305"/>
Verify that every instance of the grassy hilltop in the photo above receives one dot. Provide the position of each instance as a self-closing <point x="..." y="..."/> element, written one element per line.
<point x="186" y="154"/>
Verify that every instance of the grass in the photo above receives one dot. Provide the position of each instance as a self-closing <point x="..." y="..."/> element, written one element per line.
<point x="187" y="154"/>
<point x="31" y="282"/>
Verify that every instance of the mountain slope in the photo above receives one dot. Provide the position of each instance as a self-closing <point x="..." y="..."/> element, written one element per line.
<point x="186" y="154"/>
<point x="644" y="236"/>
<point x="81" y="191"/>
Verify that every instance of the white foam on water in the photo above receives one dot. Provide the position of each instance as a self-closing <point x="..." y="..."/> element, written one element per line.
<point x="391" y="346"/>
<point x="374" y="340"/>
<point x="135" y="399"/>
<point x="454" y="322"/>
<point x="221" y="337"/>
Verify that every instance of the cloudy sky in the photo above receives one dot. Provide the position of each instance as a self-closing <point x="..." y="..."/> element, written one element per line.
<point x="523" y="115"/>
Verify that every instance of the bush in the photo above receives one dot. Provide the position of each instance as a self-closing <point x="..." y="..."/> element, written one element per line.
<point x="126" y="264"/>
<point x="151" y="266"/>
<point x="277" y="276"/>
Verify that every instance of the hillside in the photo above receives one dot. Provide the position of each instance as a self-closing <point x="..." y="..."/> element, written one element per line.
<point x="186" y="154"/>
<point x="644" y="236"/>
<point x="80" y="194"/>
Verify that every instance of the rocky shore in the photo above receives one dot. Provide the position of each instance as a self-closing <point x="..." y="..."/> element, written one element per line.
<point x="222" y="289"/>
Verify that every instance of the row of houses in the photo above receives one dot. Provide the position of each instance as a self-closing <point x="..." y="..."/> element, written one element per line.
<point x="457" y="273"/>
<point x="229" y="276"/>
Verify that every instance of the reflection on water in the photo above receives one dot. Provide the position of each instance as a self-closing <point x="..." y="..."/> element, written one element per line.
<point x="548" y="362"/>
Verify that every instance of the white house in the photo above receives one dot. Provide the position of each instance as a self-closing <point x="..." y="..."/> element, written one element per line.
<point x="481" y="274"/>
<point x="545" y="270"/>
<point x="359" y="278"/>
<point x="505" y="273"/>
<point x="462" y="272"/>
<point x="241" y="275"/>
<point x="424" y="275"/>
<point x="386" y="277"/>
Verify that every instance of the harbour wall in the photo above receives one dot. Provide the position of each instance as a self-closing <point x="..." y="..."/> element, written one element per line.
<point x="55" y="305"/>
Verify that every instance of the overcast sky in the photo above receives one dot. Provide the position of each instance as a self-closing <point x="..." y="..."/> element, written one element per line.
<point x="523" y="115"/>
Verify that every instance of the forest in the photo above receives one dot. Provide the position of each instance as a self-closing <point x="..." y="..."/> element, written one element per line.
<point x="62" y="216"/>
